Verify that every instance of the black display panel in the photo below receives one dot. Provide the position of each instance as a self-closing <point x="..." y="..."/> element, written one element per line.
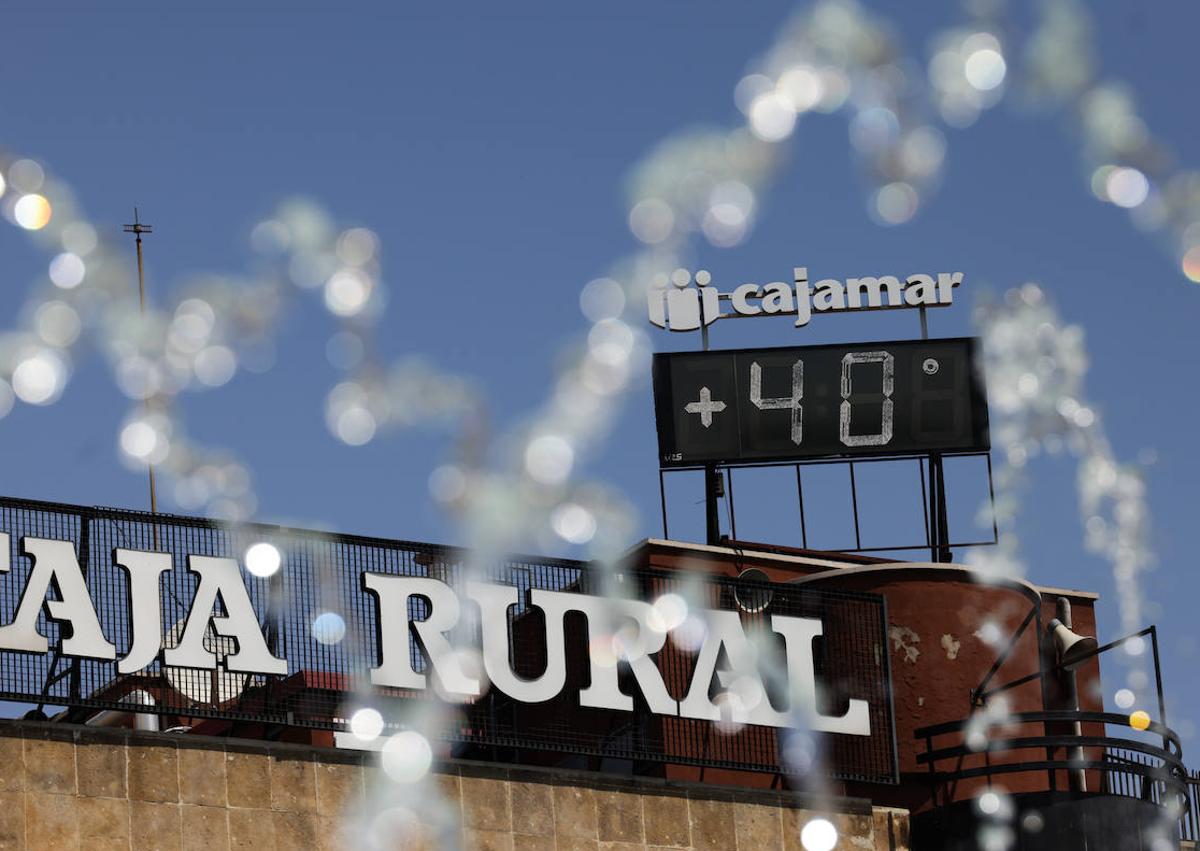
<point x="784" y="404"/>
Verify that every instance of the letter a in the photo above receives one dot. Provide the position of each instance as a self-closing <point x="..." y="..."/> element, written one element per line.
<point x="54" y="561"/>
<point x="220" y="578"/>
<point x="725" y="630"/>
<point x="921" y="290"/>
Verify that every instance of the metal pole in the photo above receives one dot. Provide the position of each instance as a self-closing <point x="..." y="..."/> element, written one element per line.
<point x="137" y="229"/>
<point x="729" y="503"/>
<point x="800" y="498"/>
<point x="1162" y="706"/>
<point x="662" y="496"/>
<point x="711" y="505"/>
<point x="712" y="512"/>
<point x="939" y="550"/>
<point x="142" y="305"/>
<point x="934" y="543"/>
<point x="944" y="554"/>
<point x="1076" y="777"/>
<point x="939" y="540"/>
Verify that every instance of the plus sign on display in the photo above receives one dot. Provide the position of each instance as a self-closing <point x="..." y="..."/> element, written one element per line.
<point x="781" y="404"/>
<point x="705" y="407"/>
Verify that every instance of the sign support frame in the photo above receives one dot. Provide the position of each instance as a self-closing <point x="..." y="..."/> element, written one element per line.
<point x="939" y="523"/>
<point x="937" y="511"/>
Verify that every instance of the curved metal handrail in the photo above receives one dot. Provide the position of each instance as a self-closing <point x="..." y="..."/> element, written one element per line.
<point x="1050" y="716"/>
<point x="1060" y="741"/>
<point x="1170" y="772"/>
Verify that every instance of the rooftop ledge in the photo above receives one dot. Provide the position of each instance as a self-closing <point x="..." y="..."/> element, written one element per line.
<point x="838" y="561"/>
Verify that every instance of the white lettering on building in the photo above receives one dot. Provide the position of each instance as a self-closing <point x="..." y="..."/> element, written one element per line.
<point x="726" y="662"/>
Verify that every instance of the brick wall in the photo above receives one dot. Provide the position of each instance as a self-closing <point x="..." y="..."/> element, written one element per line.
<point x="69" y="787"/>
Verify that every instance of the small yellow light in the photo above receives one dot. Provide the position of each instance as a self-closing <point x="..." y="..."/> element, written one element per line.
<point x="1139" y="720"/>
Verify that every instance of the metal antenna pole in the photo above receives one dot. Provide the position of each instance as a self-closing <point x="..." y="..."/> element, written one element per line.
<point x="137" y="228"/>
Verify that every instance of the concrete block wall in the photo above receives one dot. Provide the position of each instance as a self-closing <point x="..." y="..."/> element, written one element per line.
<point x="70" y="787"/>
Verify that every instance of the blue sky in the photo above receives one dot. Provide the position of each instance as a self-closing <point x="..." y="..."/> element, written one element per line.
<point x="488" y="148"/>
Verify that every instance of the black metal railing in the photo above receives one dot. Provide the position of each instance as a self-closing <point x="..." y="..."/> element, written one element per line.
<point x="1127" y="777"/>
<point x="1125" y="766"/>
<point x="327" y="674"/>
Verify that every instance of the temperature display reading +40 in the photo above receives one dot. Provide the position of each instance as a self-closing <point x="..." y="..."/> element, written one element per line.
<point x="748" y="405"/>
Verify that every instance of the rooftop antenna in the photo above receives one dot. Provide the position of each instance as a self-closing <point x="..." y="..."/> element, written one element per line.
<point x="138" y="228"/>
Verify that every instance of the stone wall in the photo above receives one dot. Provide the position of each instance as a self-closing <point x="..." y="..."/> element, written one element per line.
<point x="70" y="787"/>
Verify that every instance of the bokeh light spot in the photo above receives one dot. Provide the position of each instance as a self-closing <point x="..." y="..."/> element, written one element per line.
<point x="407" y="756"/>
<point x="328" y="628"/>
<point x="801" y="86"/>
<point x="40" y="378"/>
<point x="985" y="69"/>
<point x="651" y="220"/>
<point x="602" y="299"/>
<point x="357" y="246"/>
<point x="772" y="117"/>
<point x="573" y="523"/>
<point x="262" y="559"/>
<point x="549" y="458"/>
<point x="447" y="484"/>
<point x="138" y="439"/>
<point x="57" y="323"/>
<point x="356" y="426"/>
<point x="1191" y="264"/>
<point x="215" y="365"/>
<point x="79" y="238"/>
<point x="1127" y="187"/>
<point x="142" y="442"/>
<point x="366" y="725"/>
<point x="347" y="292"/>
<point x="895" y="203"/>
<point x="32" y="211"/>
<point x="67" y="270"/>
<point x="26" y="175"/>
<point x="672" y="611"/>
<point x="818" y="834"/>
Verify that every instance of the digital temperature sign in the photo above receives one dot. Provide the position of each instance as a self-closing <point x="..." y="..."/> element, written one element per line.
<point x="785" y="404"/>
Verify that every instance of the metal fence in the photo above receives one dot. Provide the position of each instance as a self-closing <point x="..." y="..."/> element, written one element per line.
<point x="316" y="614"/>
<point x="1044" y="743"/>
<point x="1128" y="776"/>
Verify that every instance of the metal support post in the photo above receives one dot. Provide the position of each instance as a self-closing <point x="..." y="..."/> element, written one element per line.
<point x="712" y="490"/>
<point x="1076" y="777"/>
<point x="712" y="481"/>
<point x="939" y="533"/>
